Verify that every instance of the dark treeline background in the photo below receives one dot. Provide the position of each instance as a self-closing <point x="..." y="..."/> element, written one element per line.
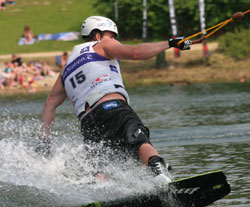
<point x="158" y="22"/>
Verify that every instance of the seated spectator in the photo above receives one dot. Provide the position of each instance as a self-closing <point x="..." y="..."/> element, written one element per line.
<point x="30" y="79"/>
<point x="7" y="74"/>
<point x="18" y="75"/>
<point x="34" y="70"/>
<point x="17" y="59"/>
<point x="2" y="5"/>
<point x="28" y="37"/>
<point x="46" y="70"/>
<point x="62" y="60"/>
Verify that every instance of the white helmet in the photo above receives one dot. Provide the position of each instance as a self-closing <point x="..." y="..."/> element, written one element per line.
<point x="98" y="22"/>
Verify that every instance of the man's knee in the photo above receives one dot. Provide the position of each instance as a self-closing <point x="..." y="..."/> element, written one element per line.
<point x="137" y="135"/>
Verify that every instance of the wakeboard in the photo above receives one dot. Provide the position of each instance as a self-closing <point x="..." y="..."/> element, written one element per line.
<point x="196" y="191"/>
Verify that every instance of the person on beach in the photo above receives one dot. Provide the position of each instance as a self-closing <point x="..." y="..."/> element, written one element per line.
<point x="8" y="75"/>
<point x="2" y="5"/>
<point x="92" y="81"/>
<point x="16" y="59"/>
<point x="63" y="60"/>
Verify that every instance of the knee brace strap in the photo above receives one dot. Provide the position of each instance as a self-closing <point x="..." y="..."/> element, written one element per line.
<point x="137" y="135"/>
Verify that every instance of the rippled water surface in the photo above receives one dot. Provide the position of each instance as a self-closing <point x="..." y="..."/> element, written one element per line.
<point x="196" y="128"/>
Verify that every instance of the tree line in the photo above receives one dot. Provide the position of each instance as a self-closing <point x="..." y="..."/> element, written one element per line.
<point x="158" y="21"/>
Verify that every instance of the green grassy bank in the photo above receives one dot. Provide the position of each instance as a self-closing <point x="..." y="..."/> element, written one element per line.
<point x="44" y="16"/>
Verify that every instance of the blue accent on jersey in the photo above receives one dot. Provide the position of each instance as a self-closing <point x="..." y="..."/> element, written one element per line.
<point x="113" y="68"/>
<point x="80" y="61"/>
<point x="85" y="49"/>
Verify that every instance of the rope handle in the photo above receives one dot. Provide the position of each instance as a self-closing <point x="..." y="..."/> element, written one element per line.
<point x="219" y="26"/>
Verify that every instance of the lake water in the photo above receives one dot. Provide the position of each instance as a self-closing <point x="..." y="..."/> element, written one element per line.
<point x="196" y="128"/>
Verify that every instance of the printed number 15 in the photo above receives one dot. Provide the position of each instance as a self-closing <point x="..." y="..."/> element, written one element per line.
<point x="77" y="79"/>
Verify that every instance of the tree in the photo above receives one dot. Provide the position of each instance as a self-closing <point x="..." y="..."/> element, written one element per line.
<point x="130" y="17"/>
<point x="158" y="22"/>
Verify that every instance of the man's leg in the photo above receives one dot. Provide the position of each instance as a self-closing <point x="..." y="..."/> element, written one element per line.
<point x="152" y="159"/>
<point x="146" y="151"/>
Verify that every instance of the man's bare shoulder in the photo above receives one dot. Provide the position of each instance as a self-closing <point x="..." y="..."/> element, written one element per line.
<point x="109" y="42"/>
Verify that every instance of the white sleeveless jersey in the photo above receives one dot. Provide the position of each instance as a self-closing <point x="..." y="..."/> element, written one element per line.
<point x="88" y="77"/>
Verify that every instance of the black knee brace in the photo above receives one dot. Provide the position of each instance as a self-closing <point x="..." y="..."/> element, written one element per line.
<point x="137" y="135"/>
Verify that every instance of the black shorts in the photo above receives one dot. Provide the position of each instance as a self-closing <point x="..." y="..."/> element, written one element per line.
<point x="114" y="124"/>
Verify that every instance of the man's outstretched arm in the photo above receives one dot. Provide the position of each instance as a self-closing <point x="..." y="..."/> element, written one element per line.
<point x="115" y="50"/>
